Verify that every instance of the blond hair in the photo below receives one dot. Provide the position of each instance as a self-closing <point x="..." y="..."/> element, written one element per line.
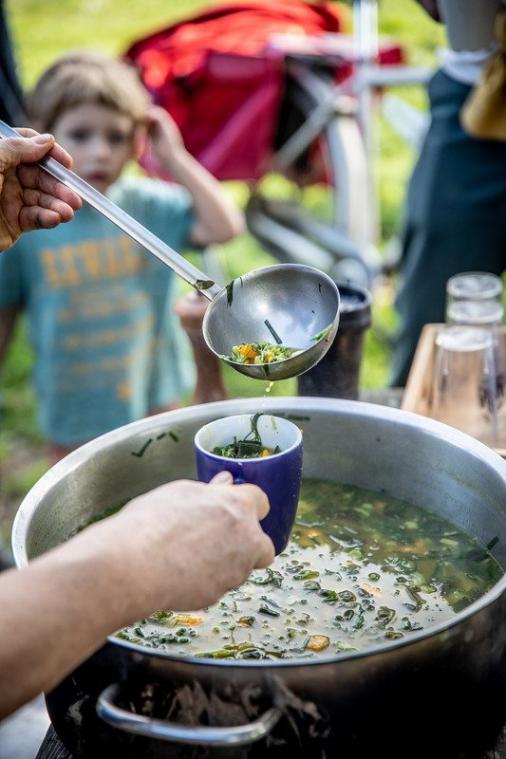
<point x="80" y="78"/>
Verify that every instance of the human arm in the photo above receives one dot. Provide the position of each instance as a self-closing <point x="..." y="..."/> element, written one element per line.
<point x="29" y="197"/>
<point x="8" y="318"/>
<point x="209" y="385"/>
<point x="217" y="219"/>
<point x="180" y="546"/>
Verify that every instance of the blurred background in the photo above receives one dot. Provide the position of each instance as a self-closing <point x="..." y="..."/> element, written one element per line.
<point x="41" y="30"/>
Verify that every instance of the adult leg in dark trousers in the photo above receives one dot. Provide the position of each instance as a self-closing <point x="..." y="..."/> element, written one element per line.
<point x="455" y="217"/>
<point x="11" y="100"/>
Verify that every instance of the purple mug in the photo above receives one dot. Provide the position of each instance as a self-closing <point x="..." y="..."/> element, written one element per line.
<point x="278" y="475"/>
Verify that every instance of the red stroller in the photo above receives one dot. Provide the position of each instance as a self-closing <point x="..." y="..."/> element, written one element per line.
<point x="245" y="80"/>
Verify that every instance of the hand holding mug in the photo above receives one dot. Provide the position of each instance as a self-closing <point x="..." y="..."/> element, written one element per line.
<point x="267" y="453"/>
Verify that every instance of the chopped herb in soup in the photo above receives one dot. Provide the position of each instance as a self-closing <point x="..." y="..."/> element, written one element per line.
<point x="260" y="353"/>
<point x="323" y="334"/>
<point x="361" y="569"/>
<point x="249" y="447"/>
<point x="245" y="449"/>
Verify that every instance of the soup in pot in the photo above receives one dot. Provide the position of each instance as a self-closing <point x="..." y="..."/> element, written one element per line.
<point x="361" y="568"/>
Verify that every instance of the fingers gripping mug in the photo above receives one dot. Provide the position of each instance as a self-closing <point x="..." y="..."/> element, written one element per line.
<point x="267" y="452"/>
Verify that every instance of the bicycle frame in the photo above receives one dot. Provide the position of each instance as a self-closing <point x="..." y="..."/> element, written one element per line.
<point x="344" y="115"/>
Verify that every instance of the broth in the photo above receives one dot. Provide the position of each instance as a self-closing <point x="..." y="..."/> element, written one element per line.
<point x="361" y="568"/>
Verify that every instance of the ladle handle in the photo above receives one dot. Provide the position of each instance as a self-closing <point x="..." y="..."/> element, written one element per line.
<point x="124" y="221"/>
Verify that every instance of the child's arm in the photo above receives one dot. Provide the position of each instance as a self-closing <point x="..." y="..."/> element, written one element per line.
<point x="8" y="318"/>
<point x="217" y="219"/>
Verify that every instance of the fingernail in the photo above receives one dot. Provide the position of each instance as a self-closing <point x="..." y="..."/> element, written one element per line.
<point x="222" y="477"/>
<point x="42" y="139"/>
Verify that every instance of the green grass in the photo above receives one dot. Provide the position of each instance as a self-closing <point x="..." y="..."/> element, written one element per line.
<point x="44" y="29"/>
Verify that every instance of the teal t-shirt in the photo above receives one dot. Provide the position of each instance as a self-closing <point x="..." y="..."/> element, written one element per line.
<point x="108" y="347"/>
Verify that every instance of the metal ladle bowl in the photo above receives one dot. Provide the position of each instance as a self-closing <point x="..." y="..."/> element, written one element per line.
<point x="296" y="301"/>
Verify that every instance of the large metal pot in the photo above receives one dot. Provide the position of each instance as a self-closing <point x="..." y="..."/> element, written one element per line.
<point x="440" y="692"/>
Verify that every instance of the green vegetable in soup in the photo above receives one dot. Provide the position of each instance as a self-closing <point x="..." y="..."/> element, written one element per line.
<point x="361" y="569"/>
<point x="260" y="353"/>
<point x="98" y="517"/>
<point x="321" y="335"/>
<point x="245" y="449"/>
<point x="250" y="447"/>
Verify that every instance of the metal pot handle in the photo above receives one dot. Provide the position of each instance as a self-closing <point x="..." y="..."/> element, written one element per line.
<point x="239" y="735"/>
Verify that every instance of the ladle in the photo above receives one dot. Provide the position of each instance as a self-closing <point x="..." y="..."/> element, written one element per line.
<point x="289" y="304"/>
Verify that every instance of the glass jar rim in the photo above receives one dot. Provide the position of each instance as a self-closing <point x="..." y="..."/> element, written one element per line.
<point x="476" y="285"/>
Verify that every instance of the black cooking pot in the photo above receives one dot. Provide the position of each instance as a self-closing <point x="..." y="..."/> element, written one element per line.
<point x="439" y="693"/>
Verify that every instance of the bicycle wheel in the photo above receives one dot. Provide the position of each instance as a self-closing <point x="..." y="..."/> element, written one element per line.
<point x="326" y="224"/>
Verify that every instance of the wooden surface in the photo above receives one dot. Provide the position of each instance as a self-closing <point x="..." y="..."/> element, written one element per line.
<point x="53" y="748"/>
<point x="418" y="393"/>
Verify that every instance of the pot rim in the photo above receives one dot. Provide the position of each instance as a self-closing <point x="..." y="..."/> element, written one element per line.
<point x="291" y="407"/>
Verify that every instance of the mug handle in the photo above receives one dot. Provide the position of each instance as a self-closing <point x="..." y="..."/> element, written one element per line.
<point x="129" y="722"/>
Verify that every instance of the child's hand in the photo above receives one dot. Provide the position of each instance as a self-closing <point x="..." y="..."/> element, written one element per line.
<point x="216" y="219"/>
<point x="164" y="136"/>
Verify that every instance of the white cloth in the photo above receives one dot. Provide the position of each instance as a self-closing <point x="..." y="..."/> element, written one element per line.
<point x="465" y="65"/>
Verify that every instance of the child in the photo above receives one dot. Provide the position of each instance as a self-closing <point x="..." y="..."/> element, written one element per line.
<point x="100" y="307"/>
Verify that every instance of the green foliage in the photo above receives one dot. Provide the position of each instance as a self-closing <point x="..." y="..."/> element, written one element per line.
<point x="17" y="402"/>
<point x="21" y="480"/>
<point x="45" y="29"/>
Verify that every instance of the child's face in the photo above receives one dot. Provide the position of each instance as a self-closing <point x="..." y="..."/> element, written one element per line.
<point x="99" y="139"/>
